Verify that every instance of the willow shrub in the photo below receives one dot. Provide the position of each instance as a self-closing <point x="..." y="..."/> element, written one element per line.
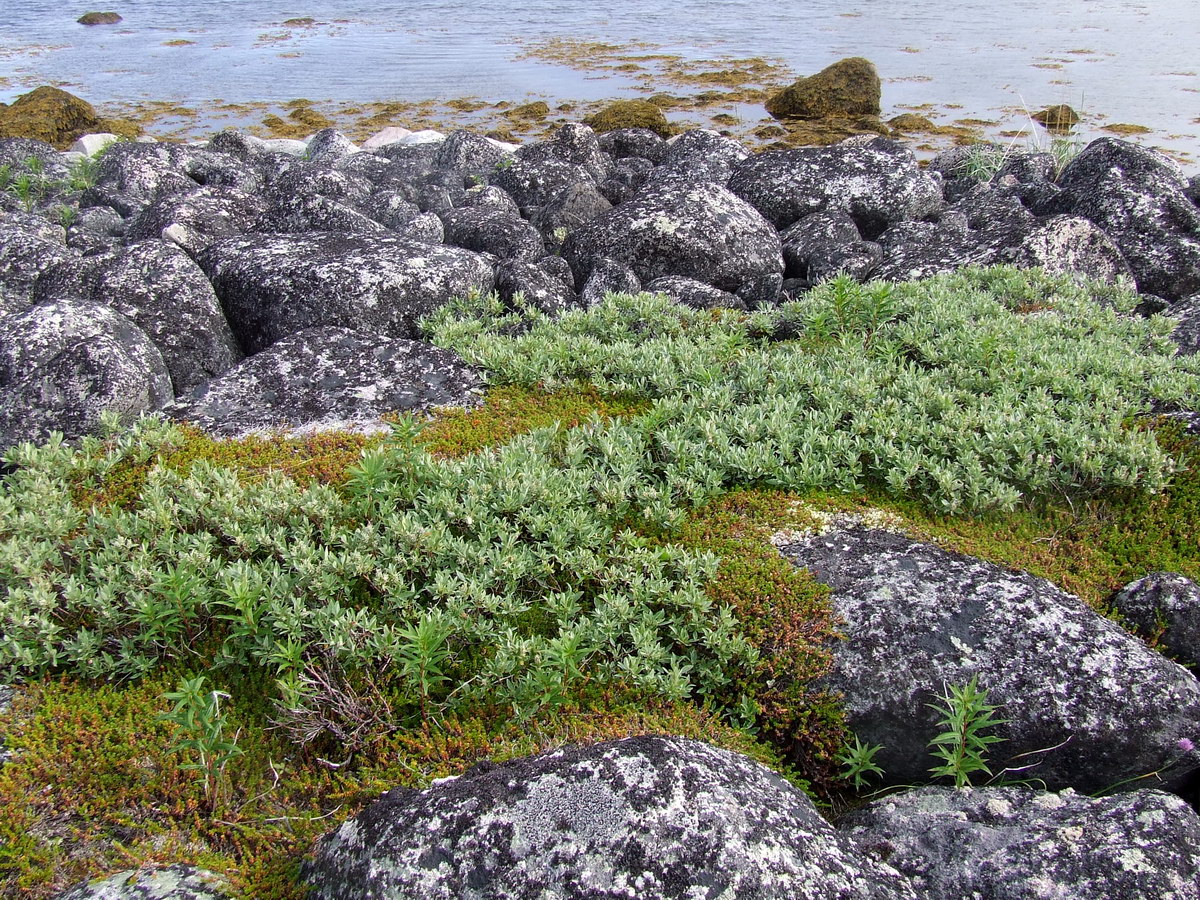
<point x="524" y="574"/>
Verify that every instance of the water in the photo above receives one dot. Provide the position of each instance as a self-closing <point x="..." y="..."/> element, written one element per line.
<point x="1119" y="62"/>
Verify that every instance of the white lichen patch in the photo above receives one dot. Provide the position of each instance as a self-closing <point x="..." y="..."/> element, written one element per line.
<point x="822" y="521"/>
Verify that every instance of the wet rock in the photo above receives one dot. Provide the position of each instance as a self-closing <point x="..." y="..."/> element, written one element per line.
<point x="490" y="231"/>
<point x="1089" y="704"/>
<point x="99" y="18"/>
<point x="275" y="285"/>
<point x="624" y="115"/>
<point x="1137" y="196"/>
<point x="159" y="287"/>
<point x="1187" y="332"/>
<point x="694" y="293"/>
<point x="64" y="363"/>
<point x="24" y="254"/>
<point x="1166" y="603"/>
<point x="643" y="817"/>
<point x="52" y="115"/>
<point x="703" y="232"/>
<point x="329" y="378"/>
<point x="608" y="276"/>
<point x="1016" y="842"/>
<point x="876" y="181"/>
<point x="180" y="882"/>
<point x="624" y="142"/>
<point x="542" y="289"/>
<point x="567" y="210"/>
<point x="209" y="213"/>
<point x="1059" y="119"/>
<point x="849" y="87"/>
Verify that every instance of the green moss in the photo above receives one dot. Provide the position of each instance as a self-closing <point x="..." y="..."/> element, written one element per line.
<point x="630" y="114"/>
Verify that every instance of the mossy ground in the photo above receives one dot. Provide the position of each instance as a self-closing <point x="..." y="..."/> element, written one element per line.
<point x="94" y="787"/>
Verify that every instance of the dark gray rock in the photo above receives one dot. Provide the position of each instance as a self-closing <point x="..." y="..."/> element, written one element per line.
<point x="491" y="231"/>
<point x="567" y="210"/>
<point x="1064" y="244"/>
<point x="624" y="142"/>
<point x="217" y="170"/>
<point x="24" y="254"/>
<point x="489" y="196"/>
<point x="425" y="228"/>
<point x="698" y="155"/>
<point x="1187" y="332"/>
<point x="859" y="260"/>
<point x="644" y="817"/>
<point x="1166" y="602"/>
<point x="159" y="287"/>
<point x="559" y="268"/>
<point x="210" y="213"/>
<point x="628" y="177"/>
<point x="328" y="146"/>
<point x="573" y="144"/>
<point x="608" y="276"/>
<point x="1016" y="843"/>
<point x="468" y="154"/>
<point x="533" y="182"/>
<point x="694" y="293"/>
<point x="64" y="363"/>
<point x="542" y="289"/>
<point x="301" y="178"/>
<point x="1088" y="703"/>
<point x="703" y="232"/>
<point x="816" y="236"/>
<point x="392" y="209"/>
<point x="16" y="151"/>
<point x="1028" y="167"/>
<point x="1138" y="197"/>
<point x="96" y="229"/>
<point x="326" y="378"/>
<point x="877" y="181"/>
<point x="313" y="212"/>
<point x="142" y="173"/>
<point x="180" y="882"/>
<point x="275" y="285"/>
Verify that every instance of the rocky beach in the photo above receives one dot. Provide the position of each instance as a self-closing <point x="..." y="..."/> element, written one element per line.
<point x="815" y="440"/>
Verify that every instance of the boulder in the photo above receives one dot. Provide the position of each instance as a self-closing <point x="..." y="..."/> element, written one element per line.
<point x="314" y="212"/>
<point x="52" y="115"/>
<point x="180" y="882"/>
<point x="542" y="289"/>
<point x="695" y="294"/>
<point x="425" y="228"/>
<point x="99" y="18"/>
<point x="699" y="155"/>
<point x="567" y="210"/>
<point x="629" y="176"/>
<point x="572" y="144"/>
<point x="491" y="231"/>
<point x="209" y="213"/>
<point x="143" y="172"/>
<point x="645" y="817"/>
<point x="877" y="181"/>
<point x="64" y="363"/>
<point x="15" y="152"/>
<point x="488" y="196"/>
<point x="392" y="209"/>
<point x="816" y="235"/>
<point x="608" y="276"/>
<point x="849" y="87"/>
<point x="329" y="378"/>
<point x="158" y="286"/>
<point x="24" y="254"/>
<point x="704" y="232"/>
<point x="273" y="285"/>
<point x="1017" y="842"/>
<point x="629" y="114"/>
<point x="1187" y="332"/>
<point x="328" y="146"/>
<point x="96" y="229"/>
<point x="640" y="142"/>
<point x="385" y="137"/>
<point x="1166" y="605"/>
<point x="469" y="154"/>
<point x="533" y="182"/>
<point x="1138" y="198"/>
<point x="1087" y="705"/>
<point x="1058" y="119"/>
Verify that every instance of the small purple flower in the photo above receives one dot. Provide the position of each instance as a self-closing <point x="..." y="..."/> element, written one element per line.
<point x="1185" y="745"/>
